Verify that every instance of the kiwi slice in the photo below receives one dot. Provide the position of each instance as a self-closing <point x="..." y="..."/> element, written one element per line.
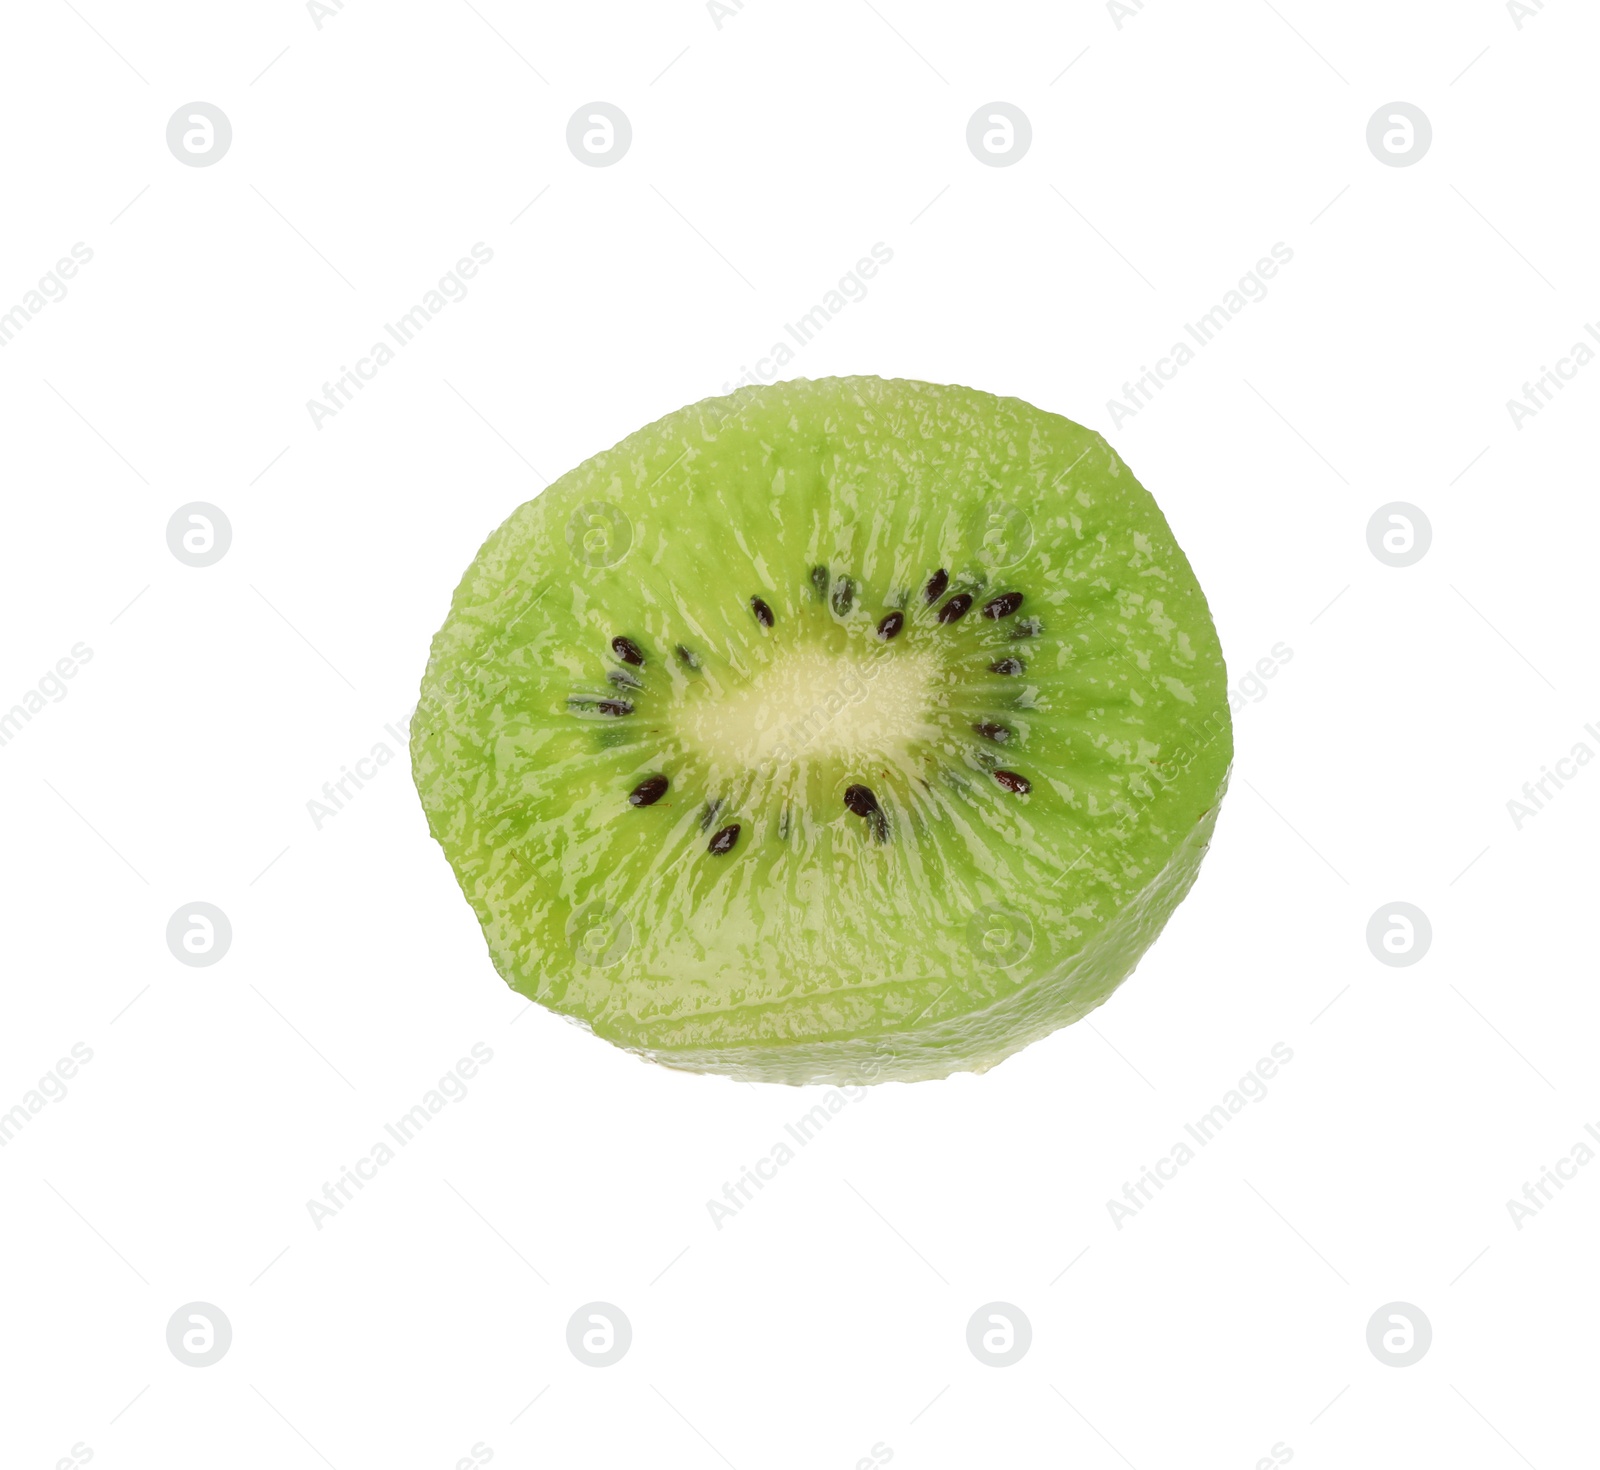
<point x="829" y="731"/>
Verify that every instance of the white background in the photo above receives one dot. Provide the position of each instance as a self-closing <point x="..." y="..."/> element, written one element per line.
<point x="768" y="155"/>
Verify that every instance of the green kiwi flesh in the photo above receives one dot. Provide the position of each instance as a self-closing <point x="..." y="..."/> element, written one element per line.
<point x="831" y="731"/>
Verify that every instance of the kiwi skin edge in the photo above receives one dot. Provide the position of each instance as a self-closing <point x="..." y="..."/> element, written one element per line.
<point x="1085" y="982"/>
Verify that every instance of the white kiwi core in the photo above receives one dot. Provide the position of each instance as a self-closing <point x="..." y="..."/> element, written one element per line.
<point x="812" y="703"/>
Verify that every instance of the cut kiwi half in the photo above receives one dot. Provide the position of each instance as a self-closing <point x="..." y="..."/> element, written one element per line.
<point x="830" y="731"/>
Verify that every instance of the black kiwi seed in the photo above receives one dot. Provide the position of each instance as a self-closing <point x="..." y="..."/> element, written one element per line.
<point x="648" y="792"/>
<point x="723" y="842"/>
<point x="687" y="659"/>
<point x="762" y="611"/>
<point x="1013" y="782"/>
<point x="628" y="651"/>
<point x="891" y="625"/>
<point x="997" y="733"/>
<point x="956" y="609"/>
<point x="844" y="594"/>
<point x="936" y="585"/>
<point x="624" y="680"/>
<point x="1007" y="666"/>
<point x="819" y="580"/>
<point x="1003" y="605"/>
<point x="861" y="801"/>
<point x="614" y="706"/>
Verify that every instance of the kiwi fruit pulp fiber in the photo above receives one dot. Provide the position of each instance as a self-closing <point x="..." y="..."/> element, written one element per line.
<point x="831" y="731"/>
